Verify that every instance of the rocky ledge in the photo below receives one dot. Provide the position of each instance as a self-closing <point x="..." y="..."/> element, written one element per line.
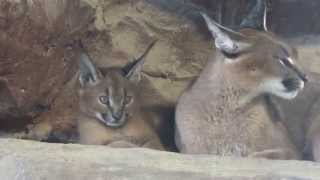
<point x="27" y="160"/>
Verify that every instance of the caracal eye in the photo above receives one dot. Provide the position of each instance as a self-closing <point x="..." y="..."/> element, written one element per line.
<point x="128" y="99"/>
<point x="282" y="62"/>
<point x="104" y="99"/>
<point x="287" y="61"/>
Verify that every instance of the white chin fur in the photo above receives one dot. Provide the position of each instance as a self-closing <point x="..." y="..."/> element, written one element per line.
<point x="99" y="116"/>
<point x="302" y="85"/>
<point x="275" y="87"/>
<point x="287" y="95"/>
<point x="111" y="124"/>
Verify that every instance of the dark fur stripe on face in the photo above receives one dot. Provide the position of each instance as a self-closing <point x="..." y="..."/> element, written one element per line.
<point x="231" y="56"/>
<point x="289" y="64"/>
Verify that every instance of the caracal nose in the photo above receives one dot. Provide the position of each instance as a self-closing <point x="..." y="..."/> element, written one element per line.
<point x="117" y="115"/>
<point x="304" y="78"/>
<point x="301" y="75"/>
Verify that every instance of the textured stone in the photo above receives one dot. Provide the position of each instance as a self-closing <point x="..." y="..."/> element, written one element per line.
<point x="27" y="160"/>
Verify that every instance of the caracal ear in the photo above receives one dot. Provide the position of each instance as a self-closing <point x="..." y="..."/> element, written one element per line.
<point x="230" y="45"/>
<point x="89" y="74"/>
<point x="133" y="69"/>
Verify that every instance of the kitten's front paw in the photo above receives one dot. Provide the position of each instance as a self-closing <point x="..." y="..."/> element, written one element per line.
<point x="38" y="132"/>
<point x="20" y="135"/>
<point x="154" y="144"/>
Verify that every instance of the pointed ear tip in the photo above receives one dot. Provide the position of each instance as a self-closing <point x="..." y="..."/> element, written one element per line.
<point x="84" y="59"/>
<point x="203" y="15"/>
<point x="208" y="19"/>
<point x="153" y="43"/>
<point x="83" y="56"/>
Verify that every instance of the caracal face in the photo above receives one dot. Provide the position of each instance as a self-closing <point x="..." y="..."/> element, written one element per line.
<point x="109" y="96"/>
<point x="263" y="62"/>
<point x="110" y="99"/>
<point x="273" y="70"/>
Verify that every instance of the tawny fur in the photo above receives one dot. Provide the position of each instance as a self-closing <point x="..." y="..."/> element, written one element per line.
<point x="225" y="113"/>
<point x="138" y="130"/>
<point x="129" y="114"/>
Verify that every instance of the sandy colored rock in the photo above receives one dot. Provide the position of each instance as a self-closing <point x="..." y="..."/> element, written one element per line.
<point x="178" y="56"/>
<point x="26" y="160"/>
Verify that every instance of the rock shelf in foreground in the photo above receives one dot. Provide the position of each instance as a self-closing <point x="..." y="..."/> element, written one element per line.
<point x="27" y="160"/>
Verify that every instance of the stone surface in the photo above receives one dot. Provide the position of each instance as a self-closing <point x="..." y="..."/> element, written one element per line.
<point x="27" y="160"/>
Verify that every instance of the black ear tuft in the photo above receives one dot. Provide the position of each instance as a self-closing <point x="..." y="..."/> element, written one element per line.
<point x="133" y="70"/>
<point x="256" y="19"/>
<point x="89" y="74"/>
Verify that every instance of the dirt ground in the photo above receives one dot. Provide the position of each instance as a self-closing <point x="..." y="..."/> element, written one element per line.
<point x="39" y="47"/>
